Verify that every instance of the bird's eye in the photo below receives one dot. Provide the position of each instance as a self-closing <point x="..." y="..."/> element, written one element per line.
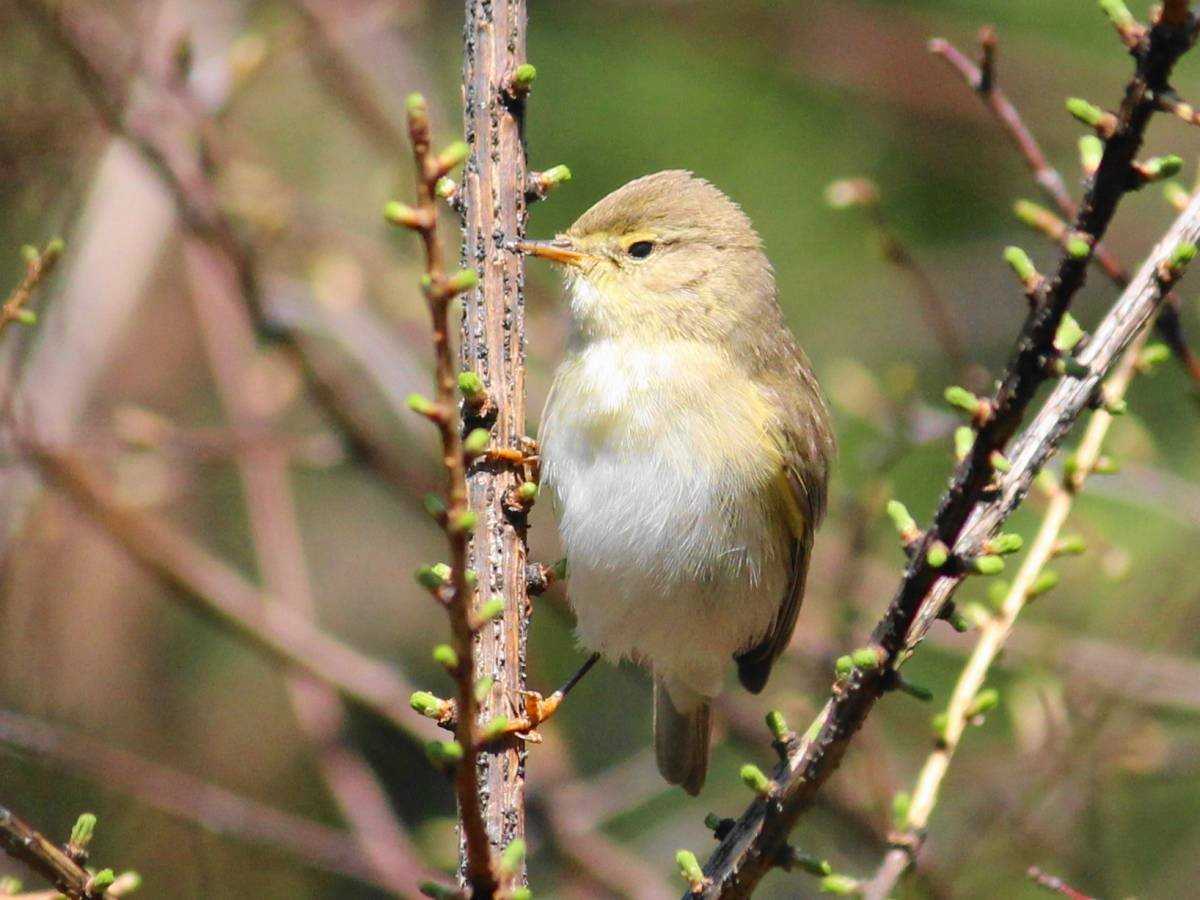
<point x="640" y="249"/>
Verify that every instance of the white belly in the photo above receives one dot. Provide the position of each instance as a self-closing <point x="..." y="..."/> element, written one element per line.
<point x="664" y="509"/>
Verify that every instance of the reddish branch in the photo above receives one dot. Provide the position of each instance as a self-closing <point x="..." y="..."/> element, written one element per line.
<point x="38" y="265"/>
<point x="982" y="80"/>
<point x="972" y="509"/>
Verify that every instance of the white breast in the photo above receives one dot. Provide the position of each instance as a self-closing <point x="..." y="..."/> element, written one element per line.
<point x="662" y="479"/>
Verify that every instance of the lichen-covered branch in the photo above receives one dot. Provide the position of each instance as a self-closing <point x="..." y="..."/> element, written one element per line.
<point x="991" y="479"/>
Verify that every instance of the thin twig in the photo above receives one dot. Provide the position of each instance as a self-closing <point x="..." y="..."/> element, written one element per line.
<point x="25" y="843"/>
<point x="1055" y="885"/>
<point x="994" y="633"/>
<point x="38" y="265"/>
<point x="1169" y="324"/>
<point x="972" y="509"/>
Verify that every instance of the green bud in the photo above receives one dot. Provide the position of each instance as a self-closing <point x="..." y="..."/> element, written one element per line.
<point x="905" y="524"/>
<point x="844" y="666"/>
<point x="483" y="687"/>
<point x="464" y="521"/>
<point x="491" y="609"/>
<point x="1160" y="167"/>
<point x="1153" y="355"/>
<point x="435" y="505"/>
<point x="445" y="655"/>
<point x="1117" y="406"/>
<point x="777" y="725"/>
<point x="30" y="254"/>
<point x="83" y="830"/>
<point x="1071" y="545"/>
<point x="939" y="724"/>
<point x="470" y="384"/>
<point x="937" y="555"/>
<point x="9" y="885"/>
<point x="1119" y="13"/>
<point x="438" y="891"/>
<point x="752" y="776"/>
<point x="512" y="857"/>
<point x="974" y="614"/>
<point x="840" y="885"/>
<point x="985" y="701"/>
<point x="445" y="187"/>
<point x="520" y="893"/>
<point x="26" y="316"/>
<point x="1020" y="262"/>
<point x="444" y="754"/>
<point x="813" y="865"/>
<point x="918" y="691"/>
<point x="961" y="398"/>
<point x="1180" y="257"/>
<point x="866" y="658"/>
<point x="997" y="593"/>
<point x="1078" y="247"/>
<point x="403" y="215"/>
<point x="999" y="461"/>
<point x="1031" y="214"/>
<point x="471" y="577"/>
<point x="1177" y="195"/>
<point x="433" y="577"/>
<point x="1046" y="581"/>
<point x="454" y="155"/>
<point x="1087" y="113"/>
<point x="101" y="881"/>
<point x="964" y="440"/>
<point x="462" y="280"/>
<point x="712" y="821"/>
<point x="420" y="405"/>
<point x="475" y="443"/>
<point x="427" y="704"/>
<point x="901" y="803"/>
<point x="958" y="622"/>
<point x="1069" y="333"/>
<point x="523" y="77"/>
<point x="53" y="251"/>
<point x="987" y="565"/>
<point x="689" y="867"/>
<point x="1005" y="543"/>
<point x="527" y="491"/>
<point x="1091" y="151"/>
<point x="493" y="729"/>
<point x="555" y="175"/>
<point x="415" y="105"/>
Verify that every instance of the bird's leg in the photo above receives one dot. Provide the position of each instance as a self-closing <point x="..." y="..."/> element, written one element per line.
<point x="538" y="708"/>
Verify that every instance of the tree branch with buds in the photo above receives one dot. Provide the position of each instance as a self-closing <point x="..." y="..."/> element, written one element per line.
<point x="992" y="478"/>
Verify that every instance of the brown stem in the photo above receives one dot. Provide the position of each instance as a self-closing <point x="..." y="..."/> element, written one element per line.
<point x="972" y="509"/>
<point x="23" y="842"/>
<point x="493" y="346"/>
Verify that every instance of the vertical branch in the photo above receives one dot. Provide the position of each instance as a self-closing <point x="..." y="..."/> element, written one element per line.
<point x="493" y="346"/>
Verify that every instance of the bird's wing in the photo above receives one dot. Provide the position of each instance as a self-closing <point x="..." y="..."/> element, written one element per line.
<point x="754" y="665"/>
<point x="805" y="441"/>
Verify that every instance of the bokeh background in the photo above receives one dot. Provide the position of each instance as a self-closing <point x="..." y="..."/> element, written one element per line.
<point x="1090" y="768"/>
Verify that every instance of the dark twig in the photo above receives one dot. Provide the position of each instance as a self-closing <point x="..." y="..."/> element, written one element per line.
<point x="25" y="843"/>
<point x="979" y="498"/>
<point x="192" y="799"/>
<point x="1169" y="324"/>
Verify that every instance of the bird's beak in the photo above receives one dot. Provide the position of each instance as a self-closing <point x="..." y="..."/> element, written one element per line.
<point x="560" y="250"/>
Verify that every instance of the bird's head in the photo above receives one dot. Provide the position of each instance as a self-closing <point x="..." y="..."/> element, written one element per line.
<point x="667" y="255"/>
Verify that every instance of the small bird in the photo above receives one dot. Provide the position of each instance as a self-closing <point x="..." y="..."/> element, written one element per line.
<point x="686" y="446"/>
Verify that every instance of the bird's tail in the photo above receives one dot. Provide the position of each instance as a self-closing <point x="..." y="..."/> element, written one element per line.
<point x="681" y="732"/>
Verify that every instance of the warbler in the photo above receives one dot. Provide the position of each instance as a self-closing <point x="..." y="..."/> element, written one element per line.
<point x="686" y="446"/>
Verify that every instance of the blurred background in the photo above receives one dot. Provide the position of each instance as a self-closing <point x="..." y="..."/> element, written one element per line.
<point x="1089" y="768"/>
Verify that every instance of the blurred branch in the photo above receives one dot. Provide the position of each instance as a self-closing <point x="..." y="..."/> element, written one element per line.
<point x="180" y="794"/>
<point x="1169" y="324"/>
<point x="228" y="338"/>
<point x="981" y="496"/>
<point x="171" y="131"/>
<point x="217" y="590"/>
<point x="1055" y="885"/>
<point x="1029" y="582"/>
